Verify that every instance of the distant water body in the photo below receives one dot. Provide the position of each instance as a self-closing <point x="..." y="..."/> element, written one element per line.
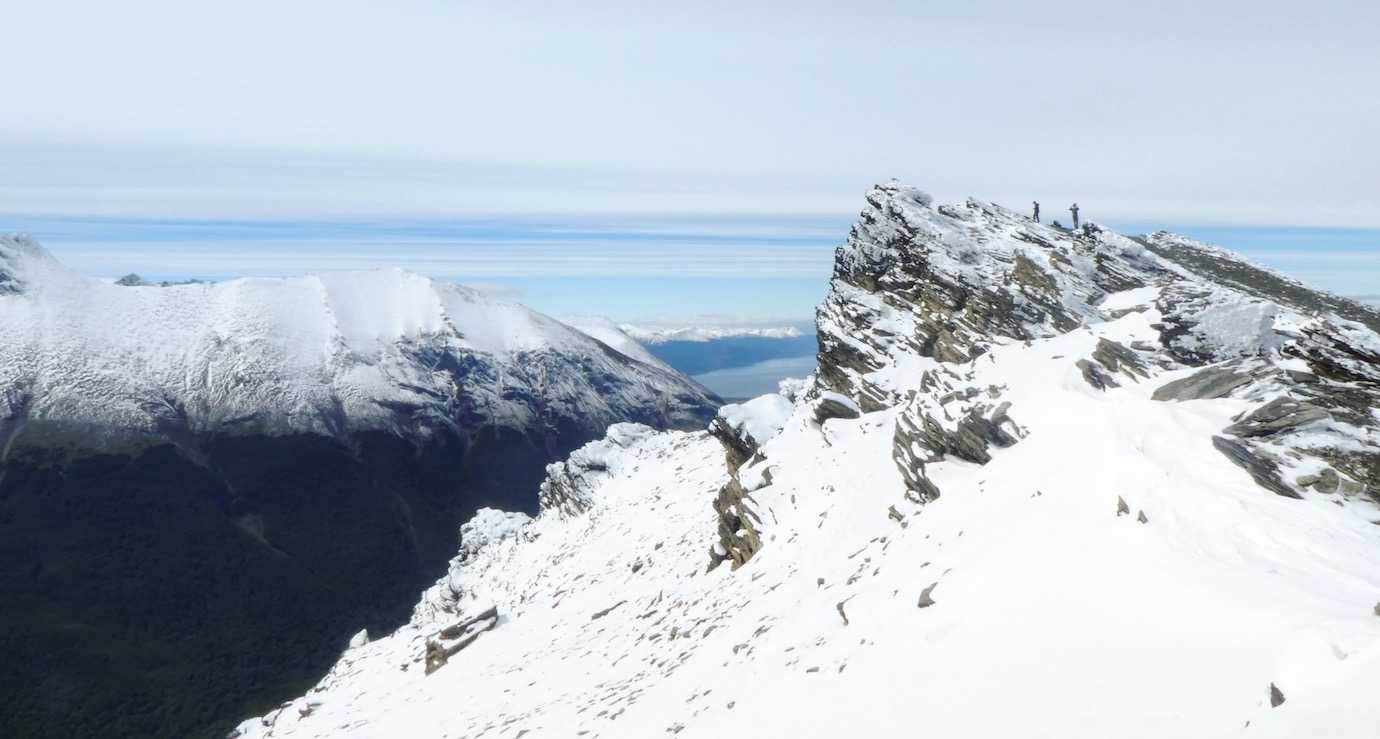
<point x="756" y="379"/>
<point x="628" y="268"/>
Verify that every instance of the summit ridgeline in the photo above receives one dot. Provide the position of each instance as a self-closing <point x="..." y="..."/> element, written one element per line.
<point x="1042" y="482"/>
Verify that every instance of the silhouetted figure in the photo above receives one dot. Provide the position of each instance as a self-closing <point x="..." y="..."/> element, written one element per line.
<point x="1074" y="210"/>
<point x="1037" y="211"/>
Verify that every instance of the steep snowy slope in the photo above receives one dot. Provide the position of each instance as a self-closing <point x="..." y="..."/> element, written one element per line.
<point x="206" y="488"/>
<point x="1044" y="484"/>
<point x="612" y="334"/>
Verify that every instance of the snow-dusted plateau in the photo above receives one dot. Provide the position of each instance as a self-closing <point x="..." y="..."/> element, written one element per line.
<point x="1042" y="484"/>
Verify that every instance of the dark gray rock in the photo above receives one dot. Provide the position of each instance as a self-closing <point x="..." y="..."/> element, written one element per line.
<point x="1280" y="414"/>
<point x="907" y="449"/>
<point x="926" y="600"/>
<point x="1326" y="481"/>
<point x="1118" y="358"/>
<point x="449" y="641"/>
<point x="739" y="535"/>
<point x="737" y="443"/>
<point x="1212" y="382"/>
<point x="1276" y="696"/>
<point x="828" y="407"/>
<point x="1262" y="469"/>
<point x="1093" y="375"/>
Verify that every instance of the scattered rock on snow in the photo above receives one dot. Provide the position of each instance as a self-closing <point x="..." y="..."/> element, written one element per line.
<point x="1094" y="375"/>
<point x="449" y="641"/>
<point x="1276" y="696"/>
<point x="1121" y="508"/>
<point x="600" y="614"/>
<point x="1118" y="358"/>
<point x="925" y="600"/>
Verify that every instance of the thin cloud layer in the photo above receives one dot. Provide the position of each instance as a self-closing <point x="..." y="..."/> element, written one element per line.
<point x="1247" y="112"/>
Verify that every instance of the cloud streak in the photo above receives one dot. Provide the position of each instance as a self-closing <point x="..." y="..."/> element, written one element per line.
<point x="1233" y="111"/>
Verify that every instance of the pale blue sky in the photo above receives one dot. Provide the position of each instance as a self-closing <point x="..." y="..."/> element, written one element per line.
<point x="674" y="269"/>
<point x="648" y="159"/>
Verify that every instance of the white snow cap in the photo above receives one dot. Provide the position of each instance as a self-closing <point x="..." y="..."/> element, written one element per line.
<point x="761" y="418"/>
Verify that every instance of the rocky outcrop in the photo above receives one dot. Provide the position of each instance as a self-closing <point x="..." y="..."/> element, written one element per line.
<point x="742" y="429"/>
<point x="1212" y="382"/>
<point x="449" y="641"/>
<point x="919" y="287"/>
<point x="738" y="529"/>
<point x="833" y="405"/>
<point x="568" y="483"/>
<point x="1262" y="466"/>
<point x="947" y="419"/>
<point x="1279" y="415"/>
<point x="947" y="282"/>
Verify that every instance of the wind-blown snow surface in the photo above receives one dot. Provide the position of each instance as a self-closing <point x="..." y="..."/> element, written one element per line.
<point x="1053" y="616"/>
<point x="385" y="349"/>
<point x="1097" y="565"/>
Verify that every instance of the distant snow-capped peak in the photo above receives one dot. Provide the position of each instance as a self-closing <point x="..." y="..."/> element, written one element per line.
<point x="377" y="349"/>
<point x="664" y="334"/>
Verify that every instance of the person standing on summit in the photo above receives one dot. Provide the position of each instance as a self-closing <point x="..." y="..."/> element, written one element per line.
<point x="1037" y="210"/>
<point x="1074" y="210"/>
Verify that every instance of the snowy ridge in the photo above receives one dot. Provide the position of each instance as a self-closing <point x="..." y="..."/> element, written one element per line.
<point x="1059" y="474"/>
<point x="615" y="336"/>
<point x="328" y="353"/>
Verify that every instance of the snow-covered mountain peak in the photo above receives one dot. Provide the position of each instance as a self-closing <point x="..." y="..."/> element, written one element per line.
<point x="385" y="348"/>
<point x="1111" y="488"/>
<point x="20" y="256"/>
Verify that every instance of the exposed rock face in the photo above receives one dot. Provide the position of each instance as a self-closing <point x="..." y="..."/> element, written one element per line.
<point x="914" y="280"/>
<point x="833" y="405"/>
<point x="919" y="289"/>
<point x="949" y="420"/>
<point x="742" y="429"/>
<point x="1262" y="466"/>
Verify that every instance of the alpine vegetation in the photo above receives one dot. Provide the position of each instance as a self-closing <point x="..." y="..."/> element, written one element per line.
<point x="1042" y="482"/>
